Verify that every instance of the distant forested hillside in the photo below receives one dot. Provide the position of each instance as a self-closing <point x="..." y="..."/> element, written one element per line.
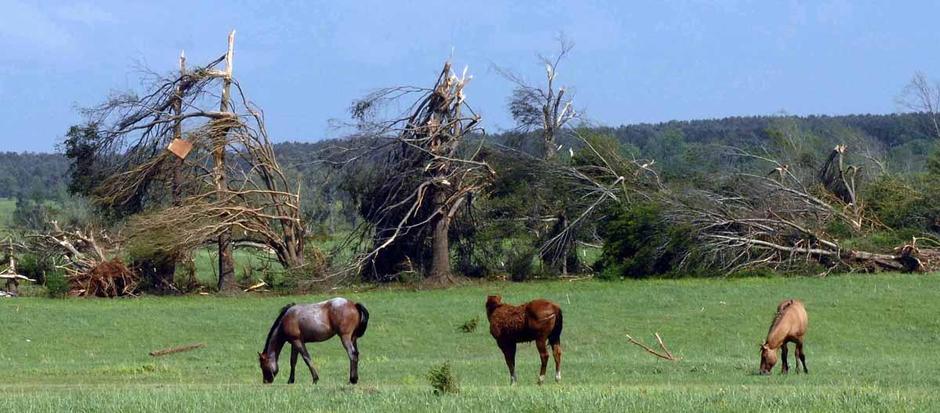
<point x="902" y="140"/>
<point x="32" y="175"/>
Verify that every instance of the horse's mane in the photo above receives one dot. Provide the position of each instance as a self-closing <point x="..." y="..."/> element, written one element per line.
<point x="277" y="322"/>
<point x="779" y="315"/>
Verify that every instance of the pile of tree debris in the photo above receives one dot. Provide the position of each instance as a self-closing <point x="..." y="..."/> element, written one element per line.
<point x="107" y="279"/>
<point x="780" y="221"/>
<point x="88" y="268"/>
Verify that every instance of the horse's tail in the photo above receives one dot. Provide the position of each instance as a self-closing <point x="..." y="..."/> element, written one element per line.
<point x="363" y="320"/>
<point x="555" y="336"/>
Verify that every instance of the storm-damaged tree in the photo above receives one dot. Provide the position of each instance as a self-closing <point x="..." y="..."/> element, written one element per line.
<point x="542" y="109"/>
<point x="417" y="172"/>
<point x="777" y="220"/>
<point x="218" y="182"/>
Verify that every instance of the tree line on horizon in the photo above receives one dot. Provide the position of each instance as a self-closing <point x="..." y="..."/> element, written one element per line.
<point x="426" y="194"/>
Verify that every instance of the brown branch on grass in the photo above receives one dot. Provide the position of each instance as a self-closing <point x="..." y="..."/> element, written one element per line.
<point x="179" y="349"/>
<point x="665" y="354"/>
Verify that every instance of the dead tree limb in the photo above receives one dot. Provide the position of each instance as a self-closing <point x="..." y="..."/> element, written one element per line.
<point x="179" y="349"/>
<point x="664" y="354"/>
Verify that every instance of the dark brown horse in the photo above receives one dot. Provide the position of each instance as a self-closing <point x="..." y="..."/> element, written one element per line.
<point x="789" y="326"/>
<point x="305" y="323"/>
<point x="538" y="320"/>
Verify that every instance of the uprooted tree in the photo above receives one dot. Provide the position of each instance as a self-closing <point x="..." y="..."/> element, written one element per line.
<point x="423" y="173"/>
<point x="218" y="182"/>
<point x="88" y="257"/>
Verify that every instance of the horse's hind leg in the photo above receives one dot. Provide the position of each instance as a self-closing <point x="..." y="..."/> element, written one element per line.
<point x="783" y="355"/>
<point x="801" y="356"/>
<point x="353" y="354"/>
<point x="556" y="351"/>
<point x="293" y="362"/>
<point x="302" y="348"/>
<point x="543" y="356"/>
<point x="509" y="352"/>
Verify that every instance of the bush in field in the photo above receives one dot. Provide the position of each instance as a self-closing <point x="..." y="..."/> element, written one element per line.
<point x="470" y="325"/>
<point x="639" y="243"/>
<point x="443" y="379"/>
<point x="57" y="285"/>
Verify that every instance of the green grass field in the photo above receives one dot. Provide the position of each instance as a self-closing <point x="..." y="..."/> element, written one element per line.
<point x="871" y="346"/>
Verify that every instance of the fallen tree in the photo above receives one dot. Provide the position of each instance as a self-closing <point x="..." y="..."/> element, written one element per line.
<point x="779" y="222"/>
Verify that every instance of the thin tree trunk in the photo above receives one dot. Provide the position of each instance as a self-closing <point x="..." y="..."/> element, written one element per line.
<point x="440" y="244"/>
<point x="226" y="262"/>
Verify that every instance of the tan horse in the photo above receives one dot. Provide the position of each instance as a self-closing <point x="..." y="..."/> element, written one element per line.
<point x="538" y="320"/>
<point x="789" y="326"/>
<point x="305" y="323"/>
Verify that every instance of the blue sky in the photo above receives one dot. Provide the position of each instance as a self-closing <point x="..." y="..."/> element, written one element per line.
<point x="304" y="62"/>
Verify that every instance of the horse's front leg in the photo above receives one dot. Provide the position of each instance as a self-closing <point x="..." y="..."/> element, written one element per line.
<point x="543" y="357"/>
<point x="783" y="355"/>
<point x="293" y="362"/>
<point x="353" y="352"/>
<point x="509" y="352"/>
<point x="302" y="348"/>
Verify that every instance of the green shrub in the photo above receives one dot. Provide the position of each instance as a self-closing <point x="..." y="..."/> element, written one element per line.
<point x="470" y="325"/>
<point x="34" y="267"/>
<point x="443" y="379"/>
<point x="896" y="203"/>
<point x="57" y="285"/>
<point x="519" y="262"/>
<point x="639" y="243"/>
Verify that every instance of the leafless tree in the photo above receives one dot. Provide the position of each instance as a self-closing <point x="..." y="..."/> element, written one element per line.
<point x="542" y="108"/>
<point x="922" y="95"/>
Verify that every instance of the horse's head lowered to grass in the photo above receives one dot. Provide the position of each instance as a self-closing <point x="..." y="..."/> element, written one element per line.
<point x="268" y="367"/>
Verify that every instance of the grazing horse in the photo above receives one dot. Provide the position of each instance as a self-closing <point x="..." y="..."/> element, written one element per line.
<point x="789" y="326"/>
<point x="537" y="320"/>
<point x="305" y="323"/>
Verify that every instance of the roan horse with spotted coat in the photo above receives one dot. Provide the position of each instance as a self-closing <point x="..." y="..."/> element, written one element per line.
<point x="305" y="323"/>
<point x="789" y="326"/>
<point x="538" y="320"/>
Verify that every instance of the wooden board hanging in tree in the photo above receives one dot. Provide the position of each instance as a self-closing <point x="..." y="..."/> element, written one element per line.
<point x="180" y="148"/>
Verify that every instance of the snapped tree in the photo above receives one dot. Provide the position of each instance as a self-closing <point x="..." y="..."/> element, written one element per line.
<point x="219" y="181"/>
<point x="423" y="173"/>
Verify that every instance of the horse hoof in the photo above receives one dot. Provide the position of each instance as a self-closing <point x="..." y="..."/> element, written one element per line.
<point x="541" y="380"/>
<point x="353" y="380"/>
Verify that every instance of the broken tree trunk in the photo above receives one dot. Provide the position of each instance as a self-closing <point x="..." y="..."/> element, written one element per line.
<point x="226" y="262"/>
